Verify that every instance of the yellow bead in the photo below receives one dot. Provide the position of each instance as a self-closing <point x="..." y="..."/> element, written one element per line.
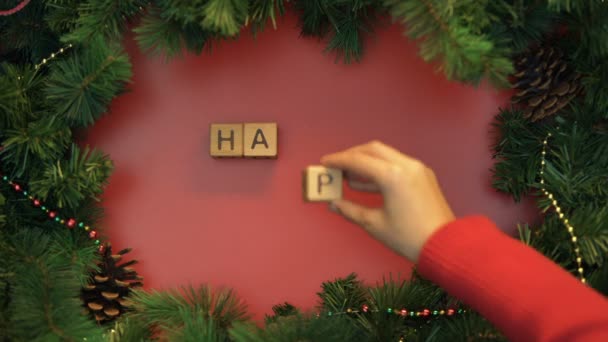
<point x="554" y="202"/>
<point x="52" y="55"/>
<point x="442" y="312"/>
<point x="349" y="310"/>
<point x="549" y="134"/>
<point x="570" y="229"/>
<point x="577" y="250"/>
<point x="574" y="239"/>
<point x="561" y="215"/>
<point x="559" y="210"/>
<point x="87" y="228"/>
<point x="44" y="61"/>
<point x="580" y="270"/>
<point x="583" y="280"/>
<point x="566" y="221"/>
<point x="61" y="50"/>
<point x="62" y="221"/>
<point x="542" y="181"/>
<point x="550" y="196"/>
<point x="579" y="260"/>
<point x="542" y="162"/>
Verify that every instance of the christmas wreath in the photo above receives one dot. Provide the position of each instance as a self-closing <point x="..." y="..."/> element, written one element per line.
<point x="62" y="64"/>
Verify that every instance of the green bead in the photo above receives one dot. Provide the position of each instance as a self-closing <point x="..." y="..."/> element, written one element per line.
<point x="435" y="313"/>
<point x="412" y="313"/>
<point x="43" y="208"/>
<point x="5" y="178"/>
<point x="57" y="219"/>
<point x="81" y="224"/>
<point x="97" y="242"/>
<point x="459" y="311"/>
<point x="25" y="193"/>
<point x="389" y="310"/>
<point x="329" y="313"/>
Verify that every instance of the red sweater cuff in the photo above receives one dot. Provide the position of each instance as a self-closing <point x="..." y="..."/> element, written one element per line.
<point x="526" y="295"/>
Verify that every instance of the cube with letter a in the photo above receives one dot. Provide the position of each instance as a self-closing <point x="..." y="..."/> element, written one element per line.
<point x="322" y="184"/>
<point x="226" y="140"/>
<point x="260" y="140"/>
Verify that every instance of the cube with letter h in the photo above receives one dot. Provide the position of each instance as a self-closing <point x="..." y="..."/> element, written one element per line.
<point x="253" y="140"/>
<point x="322" y="184"/>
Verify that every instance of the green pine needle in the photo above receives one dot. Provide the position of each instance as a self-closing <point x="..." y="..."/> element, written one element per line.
<point x="225" y="16"/>
<point x="81" y="87"/>
<point x="70" y="182"/>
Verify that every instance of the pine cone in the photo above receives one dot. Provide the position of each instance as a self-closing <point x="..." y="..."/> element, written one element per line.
<point x="105" y="298"/>
<point x="545" y="82"/>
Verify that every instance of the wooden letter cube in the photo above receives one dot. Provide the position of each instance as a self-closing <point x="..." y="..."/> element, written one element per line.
<point x="322" y="184"/>
<point x="261" y="140"/>
<point x="226" y="140"/>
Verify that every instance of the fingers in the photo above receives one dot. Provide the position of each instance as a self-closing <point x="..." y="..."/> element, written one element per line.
<point x="381" y="150"/>
<point x="371" y="219"/>
<point x="360" y="185"/>
<point x="358" y="163"/>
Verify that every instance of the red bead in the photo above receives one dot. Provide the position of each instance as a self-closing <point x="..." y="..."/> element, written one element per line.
<point x="403" y="312"/>
<point x="52" y="214"/>
<point x="36" y="203"/>
<point x="425" y="312"/>
<point x="71" y="223"/>
<point x="92" y="234"/>
<point x="365" y="308"/>
<point x="450" y="312"/>
<point x="17" y="187"/>
<point x="102" y="248"/>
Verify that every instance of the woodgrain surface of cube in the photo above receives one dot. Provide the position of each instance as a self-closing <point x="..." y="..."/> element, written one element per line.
<point x="322" y="184"/>
<point x="261" y="140"/>
<point x="226" y="140"/>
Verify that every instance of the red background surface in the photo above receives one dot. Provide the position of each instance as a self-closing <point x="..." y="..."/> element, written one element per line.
<point x="242" y="223"/>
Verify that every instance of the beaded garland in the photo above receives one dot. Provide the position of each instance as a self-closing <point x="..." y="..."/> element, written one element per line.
<point x="401" y="312"/>
<point x="70" y="223"/>
<point x="558" y="210"/>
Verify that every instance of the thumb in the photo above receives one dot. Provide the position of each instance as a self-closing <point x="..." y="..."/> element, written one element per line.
<point x="371" y="219"/>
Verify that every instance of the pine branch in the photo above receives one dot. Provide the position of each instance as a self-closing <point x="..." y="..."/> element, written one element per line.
<point x="344" y="20"/>
<point x="342" y="293"/>
<point x="469" y="327"/>
<point x="517" y="151"/>
<point x="301" y="328"/>
<point x="165" y="36"/>
<point x="225" y="16"/>
<point x="44" y="293"/>
<point x="40" y="141"/>
<point x="71" y="181"/>
<point x="81" y="87"/>
<point x="463" y="55"/>
<point x="261" y="11"/>
<point x="105" y="17"/>
<point x="166" y="308"/>
<point x="281" y="310"/>
<point x="196" y="329"/>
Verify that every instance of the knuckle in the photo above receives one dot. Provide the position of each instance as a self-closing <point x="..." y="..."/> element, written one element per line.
<point x="364" y="219"/>
<point x="375" y="144"/>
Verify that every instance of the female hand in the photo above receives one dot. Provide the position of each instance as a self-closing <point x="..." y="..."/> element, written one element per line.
<point x="414" y="206"/>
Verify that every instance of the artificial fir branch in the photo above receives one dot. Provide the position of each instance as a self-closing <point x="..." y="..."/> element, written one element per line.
<point x="80" y="177"/>
<point x="225" y="16"/>
<point x="81" y="87"/>
<point x="464" y="56"/>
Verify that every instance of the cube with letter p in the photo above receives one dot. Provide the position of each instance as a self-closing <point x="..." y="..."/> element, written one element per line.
<point x="322" y="184"/>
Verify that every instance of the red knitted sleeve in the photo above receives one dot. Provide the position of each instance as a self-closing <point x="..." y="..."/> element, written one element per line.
<point x="524" y="294"/>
